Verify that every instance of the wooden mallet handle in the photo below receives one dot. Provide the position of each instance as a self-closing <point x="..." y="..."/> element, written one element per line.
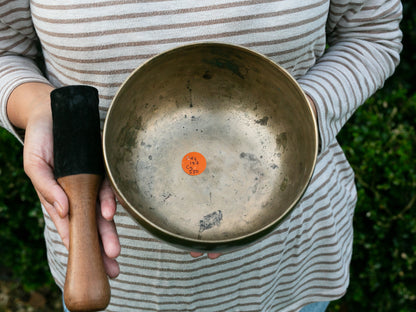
<point x="79" y="169"/>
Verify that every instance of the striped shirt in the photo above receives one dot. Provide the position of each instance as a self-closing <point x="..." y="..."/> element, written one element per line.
<point x="340" y="51"/>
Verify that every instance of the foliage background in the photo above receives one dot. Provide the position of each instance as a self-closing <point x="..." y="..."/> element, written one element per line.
<point x="380" y="143"/>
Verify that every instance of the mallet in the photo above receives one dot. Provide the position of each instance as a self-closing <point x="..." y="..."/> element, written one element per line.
<point x="78" y="168"/>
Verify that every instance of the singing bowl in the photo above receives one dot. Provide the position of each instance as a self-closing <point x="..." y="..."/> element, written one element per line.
<point x="250" y="124"/>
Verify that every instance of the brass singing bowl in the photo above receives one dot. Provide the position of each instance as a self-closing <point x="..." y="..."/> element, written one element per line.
<point x="245" y="116"/>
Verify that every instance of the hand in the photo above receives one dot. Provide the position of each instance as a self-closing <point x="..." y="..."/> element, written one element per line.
<point x="312" y="104"/>
<point x="38" y="165"/>
<point x="211" y="255"/>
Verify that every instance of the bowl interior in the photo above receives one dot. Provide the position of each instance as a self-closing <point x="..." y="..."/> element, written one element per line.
<point x="247" y="118"/>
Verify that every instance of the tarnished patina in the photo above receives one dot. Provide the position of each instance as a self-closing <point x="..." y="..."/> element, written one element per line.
<point x="248" y="118"/>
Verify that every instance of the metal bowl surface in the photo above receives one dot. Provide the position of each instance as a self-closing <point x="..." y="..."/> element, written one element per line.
<point x="209" y="146"/>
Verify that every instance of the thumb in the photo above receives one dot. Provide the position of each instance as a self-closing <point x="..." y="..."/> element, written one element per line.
<point x="43" y="180"/>
<point x="51" y="195"/>
<point x="38" y="163"/>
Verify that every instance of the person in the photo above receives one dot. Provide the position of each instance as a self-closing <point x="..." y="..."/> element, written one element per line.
<point x="339" y="51"/>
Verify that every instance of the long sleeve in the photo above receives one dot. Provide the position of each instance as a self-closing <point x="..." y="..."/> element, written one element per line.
<point x="306" y="258"/>
<point x="364" y="42"/>
<point x="18" y="52"/>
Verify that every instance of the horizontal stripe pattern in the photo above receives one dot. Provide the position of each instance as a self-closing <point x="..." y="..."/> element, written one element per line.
<point x="306" y="258"/>
<point x="316" y="260"/>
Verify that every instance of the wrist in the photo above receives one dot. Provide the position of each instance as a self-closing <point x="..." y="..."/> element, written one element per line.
<point x="28" y="101"/>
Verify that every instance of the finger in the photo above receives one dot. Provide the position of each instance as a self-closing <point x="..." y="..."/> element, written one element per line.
<point x="107" y="201"/>
<point x="196" y="254"/>
<point x="111" y="266"/>
<point x="313" y="106"/>
<point x="213" y="255"/>
<point x="110" y="245"/>
<point x="109" y="237"/>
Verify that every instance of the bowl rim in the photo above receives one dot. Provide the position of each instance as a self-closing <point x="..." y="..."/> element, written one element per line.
<point x="195" y="244"/>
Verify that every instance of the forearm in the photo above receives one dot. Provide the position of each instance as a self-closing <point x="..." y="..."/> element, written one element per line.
<point x="364" y="51"/>
<point x="19" y="73"/>
<point x="27" y="100"/>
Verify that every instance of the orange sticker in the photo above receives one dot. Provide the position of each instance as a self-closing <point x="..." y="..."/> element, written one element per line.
<point x="194" y="163"/>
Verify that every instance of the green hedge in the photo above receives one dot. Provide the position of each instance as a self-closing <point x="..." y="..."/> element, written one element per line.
<point x="380" y="143"/>
<point x="21" y="232"/>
